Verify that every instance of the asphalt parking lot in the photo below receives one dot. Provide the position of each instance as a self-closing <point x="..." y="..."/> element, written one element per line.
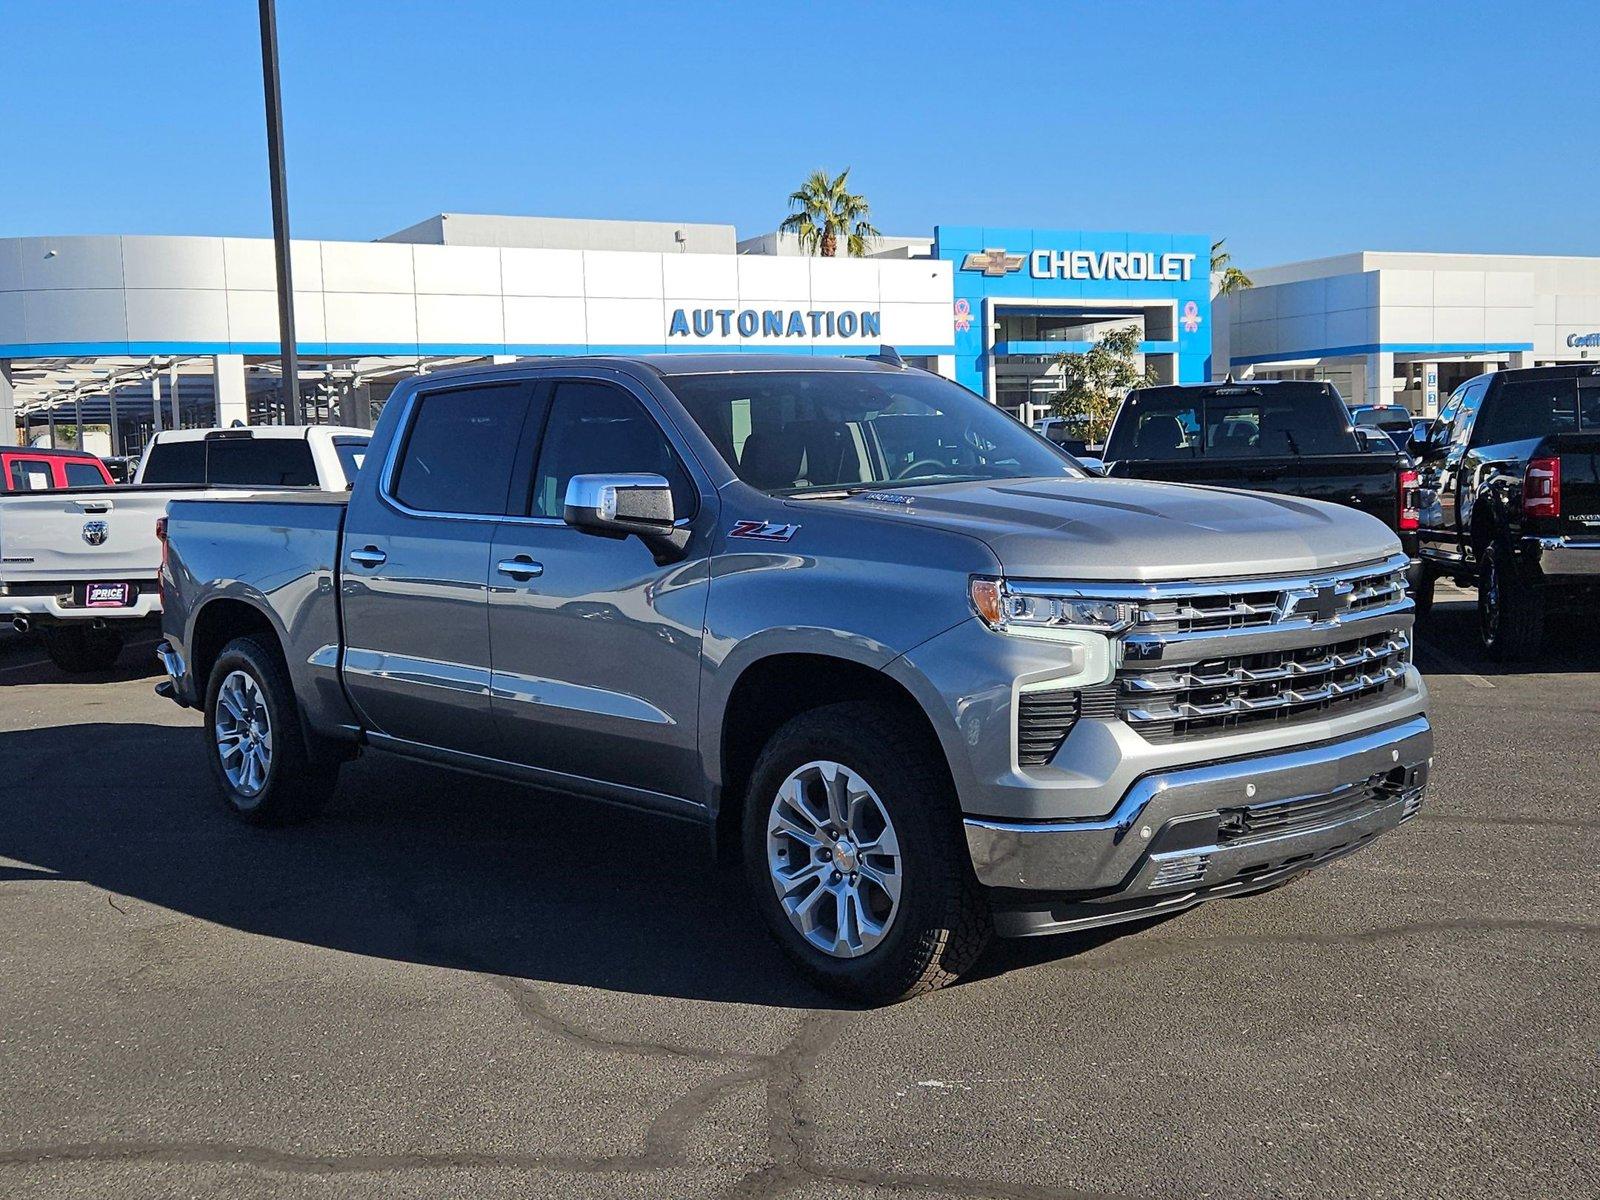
<point x="449" y="987"/>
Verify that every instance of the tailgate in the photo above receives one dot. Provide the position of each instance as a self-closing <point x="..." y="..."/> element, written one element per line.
<point x="1368" y="482"/>
<point x="1580" y="480"/>
<point x="96" y="535"/>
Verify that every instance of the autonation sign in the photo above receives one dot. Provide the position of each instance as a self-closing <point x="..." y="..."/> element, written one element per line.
<point x="775" y="322"/>
<point x="1085" y="264"/>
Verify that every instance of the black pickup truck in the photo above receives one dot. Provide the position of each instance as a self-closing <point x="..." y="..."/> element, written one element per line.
<point x="1509" y="500"/>
<point x="1293" y="437"/>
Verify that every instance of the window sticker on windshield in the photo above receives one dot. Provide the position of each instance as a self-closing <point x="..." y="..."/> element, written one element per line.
<point x="887" y="497"/>
<point x="763" y="531"/>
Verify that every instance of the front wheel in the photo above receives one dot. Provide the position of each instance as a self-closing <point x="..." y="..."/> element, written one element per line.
<point x="1510" y="606"/>
<point x="254" y="741"/>
<point x="79" y="649"/>
<point x="854" y="854"/>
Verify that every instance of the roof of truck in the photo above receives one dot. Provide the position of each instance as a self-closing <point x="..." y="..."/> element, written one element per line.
<point x="668" y="365"/>
<point x="47" y="451"/>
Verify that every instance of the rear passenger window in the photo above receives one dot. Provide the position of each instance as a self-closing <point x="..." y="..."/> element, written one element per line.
<point x="459" y="453"/>
<point x="176" y="462"/>
<point x="260" y="462"/>
<point x="82" y="474"/>
<point x="597" y="429"/>
<point x="31" y="475"/>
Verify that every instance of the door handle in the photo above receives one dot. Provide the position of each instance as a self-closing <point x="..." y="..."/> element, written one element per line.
<point x="520" y="567"/>
<point x="368" y="556"/>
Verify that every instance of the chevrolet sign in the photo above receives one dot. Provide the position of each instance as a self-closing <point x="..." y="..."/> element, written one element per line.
<point x="1126" y="265"/>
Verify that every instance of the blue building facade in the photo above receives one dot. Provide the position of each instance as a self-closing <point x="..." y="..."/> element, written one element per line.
<point x="1023" y="296"/>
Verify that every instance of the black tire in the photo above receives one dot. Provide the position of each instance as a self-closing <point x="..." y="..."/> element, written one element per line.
<point x="79" y="650"/>
<point x="1510" y="605"/>
<point x="295" y="788"/>
<point x="1422" y="590"/>
<point x="943" y="921"/>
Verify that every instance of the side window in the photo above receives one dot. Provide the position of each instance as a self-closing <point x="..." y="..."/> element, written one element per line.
<point x="176" y="462"/>
<point x="598" y="429"/>
<point x="82" y="474"/>
<point x="352" y="454"/>
<point x="460" y="448"/>
<point x="1461" y="427"/>
<point x="31" y="475"/>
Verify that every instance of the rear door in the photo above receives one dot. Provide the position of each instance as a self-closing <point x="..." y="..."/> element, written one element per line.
<point x="596" y="644"/>
<point x="415" y="575"/>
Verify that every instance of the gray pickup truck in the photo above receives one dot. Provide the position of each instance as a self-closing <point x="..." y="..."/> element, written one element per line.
<point x="927" y="679"/>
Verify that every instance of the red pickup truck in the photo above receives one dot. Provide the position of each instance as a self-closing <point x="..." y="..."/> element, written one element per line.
<point x="34" y="469"/>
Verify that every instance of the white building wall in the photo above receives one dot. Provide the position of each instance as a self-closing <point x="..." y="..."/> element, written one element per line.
<point x="133" y="295"/>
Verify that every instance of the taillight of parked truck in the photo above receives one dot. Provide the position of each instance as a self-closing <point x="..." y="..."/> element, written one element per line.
<point x="1541" y="487"/>
<point x="1408" y="500"/>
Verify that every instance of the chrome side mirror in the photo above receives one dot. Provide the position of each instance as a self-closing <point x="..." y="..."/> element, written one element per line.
<point x="618" y="506"/>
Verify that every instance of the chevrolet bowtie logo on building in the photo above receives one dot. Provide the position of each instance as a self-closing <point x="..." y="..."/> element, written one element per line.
<point x="992" y="262"/>
<point x="1322" y="602"/>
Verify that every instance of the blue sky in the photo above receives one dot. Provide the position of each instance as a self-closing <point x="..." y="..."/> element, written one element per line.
<point x="1294" y="129"/>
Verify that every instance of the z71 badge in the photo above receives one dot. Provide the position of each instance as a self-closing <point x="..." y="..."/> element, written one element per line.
<point x="763" y="531"/>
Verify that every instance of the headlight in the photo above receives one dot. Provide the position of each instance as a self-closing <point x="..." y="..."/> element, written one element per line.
<point x="1034" y="610"/>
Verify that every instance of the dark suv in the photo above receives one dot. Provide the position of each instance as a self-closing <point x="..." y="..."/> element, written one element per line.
<point x="1509" y="499"/>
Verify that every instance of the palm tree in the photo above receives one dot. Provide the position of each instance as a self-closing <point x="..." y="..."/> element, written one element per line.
<point x="1228" y="278"/>
<point x="824" y="209"/>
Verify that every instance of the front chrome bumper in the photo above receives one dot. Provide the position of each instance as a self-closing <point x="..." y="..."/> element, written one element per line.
<point x="1221" y="825"/>
<point x="1563" y="556"/>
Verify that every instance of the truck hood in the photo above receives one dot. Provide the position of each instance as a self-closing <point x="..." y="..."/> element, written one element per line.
<point x="1131" y="529"/>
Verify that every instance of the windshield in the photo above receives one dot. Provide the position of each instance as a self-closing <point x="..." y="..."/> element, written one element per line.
<point x="1179" y="423"/>
<point x="800" y="431"/>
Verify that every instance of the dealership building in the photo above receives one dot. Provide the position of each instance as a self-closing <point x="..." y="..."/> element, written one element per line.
<point x="1399" y="328"/>
<point x="125" y="335"/>
<point x="131" y="334"/>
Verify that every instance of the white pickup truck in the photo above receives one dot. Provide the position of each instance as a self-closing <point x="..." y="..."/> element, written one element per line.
<point x="79" y="564"/>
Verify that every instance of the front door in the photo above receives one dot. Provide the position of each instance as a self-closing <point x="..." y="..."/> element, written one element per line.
<point x="596" y="645"/>
<point x="415" y="578"/>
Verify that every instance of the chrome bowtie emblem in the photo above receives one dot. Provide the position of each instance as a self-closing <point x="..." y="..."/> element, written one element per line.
<point x="95" y="532"/>
<point x="992" y="262"/>
<point x="1322" y="602"/>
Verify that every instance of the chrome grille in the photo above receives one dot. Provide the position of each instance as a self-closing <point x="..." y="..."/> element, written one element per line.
<point x="1224" y="694"/>
<point x="1222" y="608"/>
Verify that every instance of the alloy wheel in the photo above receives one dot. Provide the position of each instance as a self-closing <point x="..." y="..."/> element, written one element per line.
<point x="834" y="859"/>
<point x="243" y="729"/>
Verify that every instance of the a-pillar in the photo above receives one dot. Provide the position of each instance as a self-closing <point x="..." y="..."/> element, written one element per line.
<point x="1380" y="378"/>
<point x="8" y="406"/>
<point x="233" y="403"/>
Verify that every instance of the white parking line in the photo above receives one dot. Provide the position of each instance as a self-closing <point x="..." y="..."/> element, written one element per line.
<point x="1453" y="667"/>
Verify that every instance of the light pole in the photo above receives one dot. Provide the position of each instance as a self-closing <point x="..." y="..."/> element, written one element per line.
<point x="280" y="208"/>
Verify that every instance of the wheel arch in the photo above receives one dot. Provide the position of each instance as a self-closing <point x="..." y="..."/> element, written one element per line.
<point x="774" y="689"/>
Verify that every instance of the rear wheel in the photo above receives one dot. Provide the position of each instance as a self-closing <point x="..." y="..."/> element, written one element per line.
<point x="854" y="854"/>
<point x="78" y="649"/>
<point x="254" y="741"/>
<point x="1510" y="606"/>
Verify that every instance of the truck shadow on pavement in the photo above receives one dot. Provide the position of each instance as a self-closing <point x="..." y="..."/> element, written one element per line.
<point x="1447" y="643"/>
<point x="410" y="863"/>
